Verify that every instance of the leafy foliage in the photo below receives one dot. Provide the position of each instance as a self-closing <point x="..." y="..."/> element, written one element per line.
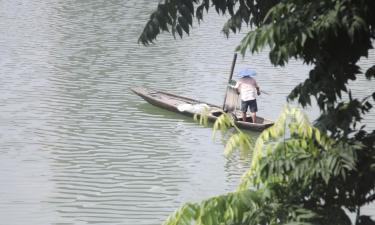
<point x="301" y="173"/>
<point x="202" y="117"/>
<point x="176" y="16"/>
<point x="297" y="177"/>
<point x="237" y="140"/>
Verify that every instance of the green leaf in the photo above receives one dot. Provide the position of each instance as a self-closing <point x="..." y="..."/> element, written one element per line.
<point x="184" y="24"/>
<point x="370" y="73"/>
<point x="179" y="30"/>
<point x="317" y="135"/>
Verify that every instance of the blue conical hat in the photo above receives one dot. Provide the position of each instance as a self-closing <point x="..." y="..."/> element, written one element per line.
<point x="247" y="73"/>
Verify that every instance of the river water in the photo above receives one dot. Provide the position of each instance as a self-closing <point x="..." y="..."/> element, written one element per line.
<point x="78" y="147"/>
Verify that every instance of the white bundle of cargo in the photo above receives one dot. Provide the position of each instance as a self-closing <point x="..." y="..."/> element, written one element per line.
<point x="193" y="108"/>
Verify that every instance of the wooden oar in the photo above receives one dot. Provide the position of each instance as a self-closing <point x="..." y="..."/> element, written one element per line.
<point x="230" y="78"/>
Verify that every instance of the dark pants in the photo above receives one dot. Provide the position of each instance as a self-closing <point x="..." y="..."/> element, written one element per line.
<point x="252" y="104"/>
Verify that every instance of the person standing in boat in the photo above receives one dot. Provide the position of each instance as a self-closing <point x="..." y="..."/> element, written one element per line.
<point x="248" y="88"/>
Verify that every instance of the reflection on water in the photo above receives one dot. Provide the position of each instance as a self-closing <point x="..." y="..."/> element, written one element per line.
<point x="78" y="147"/>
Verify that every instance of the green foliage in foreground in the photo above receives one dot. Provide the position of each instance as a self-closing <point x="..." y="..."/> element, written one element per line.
<point x="315" y="170"/>
<point x="298" y="175"/>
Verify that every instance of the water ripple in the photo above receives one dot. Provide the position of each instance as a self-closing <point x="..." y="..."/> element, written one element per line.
<point x="79" y="147"/>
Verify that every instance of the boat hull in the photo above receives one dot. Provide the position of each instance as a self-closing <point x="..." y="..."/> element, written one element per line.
<point x="173" y="102"/>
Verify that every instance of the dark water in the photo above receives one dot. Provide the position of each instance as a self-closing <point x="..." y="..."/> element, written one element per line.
<point x="77" y="147"/>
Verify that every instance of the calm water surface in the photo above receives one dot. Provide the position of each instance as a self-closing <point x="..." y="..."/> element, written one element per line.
<point x="77" y="147"/>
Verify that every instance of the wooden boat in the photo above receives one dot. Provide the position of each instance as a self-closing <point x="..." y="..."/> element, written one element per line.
<point x="175" y="103"/>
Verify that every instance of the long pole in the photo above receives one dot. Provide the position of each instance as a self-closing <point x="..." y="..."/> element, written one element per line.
<point x="230" y="78"/>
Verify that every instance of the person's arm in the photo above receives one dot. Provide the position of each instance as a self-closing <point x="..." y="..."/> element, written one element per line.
<point x="257" y="87"/>
<point x="258" y="90"/>
<point x="237" y="87"/>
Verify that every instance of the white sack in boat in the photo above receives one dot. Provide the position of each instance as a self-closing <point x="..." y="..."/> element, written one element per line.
<point x="196" y="108"/>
